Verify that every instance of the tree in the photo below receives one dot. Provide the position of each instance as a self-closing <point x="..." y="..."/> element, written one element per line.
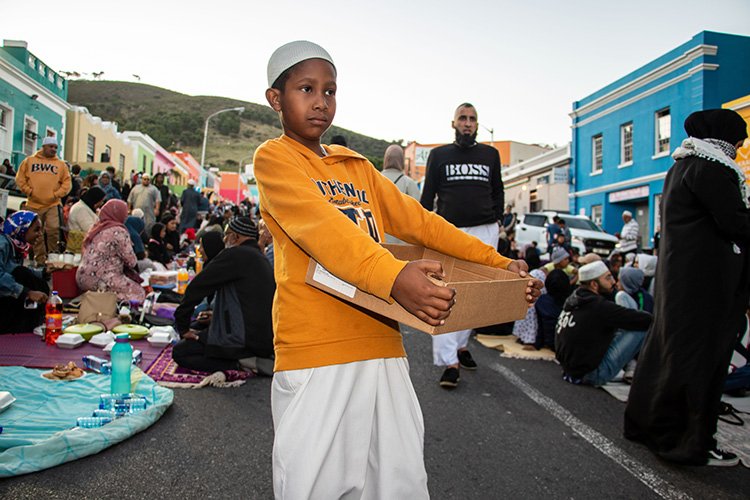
<point x="228" y="123"/>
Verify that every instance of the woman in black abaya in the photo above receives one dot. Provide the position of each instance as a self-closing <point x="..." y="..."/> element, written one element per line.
<point x="701" y="295"/>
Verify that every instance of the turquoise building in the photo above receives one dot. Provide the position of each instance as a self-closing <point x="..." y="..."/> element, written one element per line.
<point x="624" y="133"/>
<point x="33" y="102"/>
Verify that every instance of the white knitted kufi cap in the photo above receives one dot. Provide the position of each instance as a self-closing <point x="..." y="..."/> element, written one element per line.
<point x="592" y="271"/>
<point x="292" y="53"/>
<point x="49" y="140"/>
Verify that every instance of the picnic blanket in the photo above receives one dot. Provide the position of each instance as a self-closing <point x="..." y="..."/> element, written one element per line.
<point x="168" y="374"/>
<point x="510" y="348"/>
<point x="39" y="428"/>
<point x="731" y="437"/>
<point x="27" y="349"/>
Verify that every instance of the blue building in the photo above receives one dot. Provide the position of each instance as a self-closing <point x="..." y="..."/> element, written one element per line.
<point x="33" y="101"/>
<point x="624" y="133"/>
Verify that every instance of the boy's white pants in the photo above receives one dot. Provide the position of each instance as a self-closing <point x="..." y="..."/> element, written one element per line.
<point x="445" y="346"/>
<point x="348" y="431"/>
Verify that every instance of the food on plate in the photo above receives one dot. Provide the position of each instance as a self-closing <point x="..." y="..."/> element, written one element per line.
<point x="64" y="372"/>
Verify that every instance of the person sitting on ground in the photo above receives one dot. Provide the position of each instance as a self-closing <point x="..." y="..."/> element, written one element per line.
<point x="549" y="306"/>
<point x="632" y="296"/>
<point x="23" y="291"/>
<point x="614" y="264"/>
<point x="108" y="257"/>
<point x="105" y="182"/>
<point x="586" y="345"/>
<point x="527" y="329"/>
<point x="239" y="334"/>
<point x="136" y="227"/>
<point x="214" y="224"/>
<point x="560" y="259"/>
<point x="532" y="256"/>
<point x="82" y="216"/>
<point x="157" y="247"/>
<point x="171" y="235"/>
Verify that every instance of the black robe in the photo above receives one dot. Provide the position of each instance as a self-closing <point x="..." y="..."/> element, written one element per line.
<point x="700" y="300"/>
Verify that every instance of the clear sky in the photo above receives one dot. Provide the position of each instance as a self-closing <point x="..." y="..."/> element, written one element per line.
<point x="403" y="66"/>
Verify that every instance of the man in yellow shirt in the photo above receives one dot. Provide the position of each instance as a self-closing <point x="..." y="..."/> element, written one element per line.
<point x="346" y="418"/>
<point x="45" y="180"/>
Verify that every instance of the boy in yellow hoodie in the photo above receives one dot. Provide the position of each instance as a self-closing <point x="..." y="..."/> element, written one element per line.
<point x="346" y="417"/>
<point x="45" y="180"/>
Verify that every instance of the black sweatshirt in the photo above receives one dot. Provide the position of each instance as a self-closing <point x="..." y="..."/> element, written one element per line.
<point x="467" y="183"/>
<point x="587" y="326"/>
<point x="242" y="280"/>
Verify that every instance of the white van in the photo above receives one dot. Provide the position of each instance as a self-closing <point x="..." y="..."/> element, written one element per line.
<point x="585" y="234"/>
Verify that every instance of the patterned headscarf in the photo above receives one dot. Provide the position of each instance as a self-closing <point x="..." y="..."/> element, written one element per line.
<point x="16" y="226"/>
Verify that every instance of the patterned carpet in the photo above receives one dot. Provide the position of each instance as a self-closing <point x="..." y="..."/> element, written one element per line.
<point x="168" y="374"/>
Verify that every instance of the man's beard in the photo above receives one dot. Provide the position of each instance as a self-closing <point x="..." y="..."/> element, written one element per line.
<point x="465" y="141"/>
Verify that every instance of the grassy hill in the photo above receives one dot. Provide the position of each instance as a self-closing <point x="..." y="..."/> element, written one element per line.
<point x="176" y="121"/>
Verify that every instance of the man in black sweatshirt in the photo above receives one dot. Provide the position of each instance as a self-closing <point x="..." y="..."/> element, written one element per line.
<point x="588" y="344"/>
<point x="240" y="333"/>
<point x="463" y="180"/>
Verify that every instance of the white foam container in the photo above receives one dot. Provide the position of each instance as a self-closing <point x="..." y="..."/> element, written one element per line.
<point x="6" y="399"/>
<point x="69" y="341"/>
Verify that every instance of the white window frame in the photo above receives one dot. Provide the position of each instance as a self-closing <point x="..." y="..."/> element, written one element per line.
<point x="9" y="114"/>
<point x="48" y="130"/>
<point x="594" y="170"/>
<point x="90" y="157"/>
<point x="121" y="163"/>
<point x="36" y="131"/>
<point x="623" y="161"/>
<point x="657" y="153"/>
<point x="594" y="215"/>
<point x="108" y="152"/>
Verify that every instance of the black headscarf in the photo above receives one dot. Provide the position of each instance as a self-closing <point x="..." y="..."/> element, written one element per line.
<point x="92" y="196"/>
<point x="156" y="232"/>
<point x="213" y="243"/>
<point x="722" y="124"/>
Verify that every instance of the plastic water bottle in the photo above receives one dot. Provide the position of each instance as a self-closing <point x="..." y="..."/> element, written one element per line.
<point x="53" y="319"/>
<point x="92" y="422"/>
<point x="96" y="364"/>
<point x="182" y="280"/>
<point x="122" y="360"/>
<point x="198" y="265"/>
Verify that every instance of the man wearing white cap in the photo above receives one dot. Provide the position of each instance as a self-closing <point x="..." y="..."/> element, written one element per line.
<point x="146" y="197"/>
<point x="587" y="344"/>
<point x="629" y="233"/>
<point x="45" y="180"/>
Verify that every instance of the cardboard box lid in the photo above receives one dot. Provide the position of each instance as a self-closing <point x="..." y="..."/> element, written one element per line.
<point x="484" y="295"/>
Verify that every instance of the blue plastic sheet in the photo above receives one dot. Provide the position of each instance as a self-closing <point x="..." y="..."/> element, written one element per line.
<point x="39" y="428"/>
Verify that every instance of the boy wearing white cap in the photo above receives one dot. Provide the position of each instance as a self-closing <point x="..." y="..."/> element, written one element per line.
<point x="45" y="180"/>
<point x="586" y="345"/>
<point x="346" y="417"/>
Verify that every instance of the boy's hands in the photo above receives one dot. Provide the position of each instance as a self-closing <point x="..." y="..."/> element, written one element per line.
<point x="534" y="289"/>
<point x="420" y="296"/>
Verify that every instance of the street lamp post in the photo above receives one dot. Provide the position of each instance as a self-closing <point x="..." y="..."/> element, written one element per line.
<point x="239" y="176"/>
<point x="492" y="134"/>
<point x="205" y="131"/>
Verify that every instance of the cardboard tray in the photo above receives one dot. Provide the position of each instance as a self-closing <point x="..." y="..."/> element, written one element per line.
<point x="484" y="295"/>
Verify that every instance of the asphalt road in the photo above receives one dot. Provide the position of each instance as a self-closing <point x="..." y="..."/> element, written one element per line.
<point x="512" y="429"/>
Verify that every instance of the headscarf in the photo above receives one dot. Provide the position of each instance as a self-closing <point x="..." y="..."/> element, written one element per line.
<point x="631" y="279"/>
<point x="135" y="227"/>
<point x="112" y="214"/>
<point x="213" y="243"/>
<point x="713" y="134"/>
<point x="558" y="285"/>
<point x="156" y="232"/>
<point x="394" y="157"/>
<point x="16" y="226"/>
<point x="93" y="196"/>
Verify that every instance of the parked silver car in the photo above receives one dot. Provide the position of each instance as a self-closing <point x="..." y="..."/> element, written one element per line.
<point x="585" y="234"/>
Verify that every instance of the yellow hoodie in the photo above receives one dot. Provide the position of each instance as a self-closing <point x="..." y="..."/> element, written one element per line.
<point x="44" y="180"/>
<point x="337" y="209"/>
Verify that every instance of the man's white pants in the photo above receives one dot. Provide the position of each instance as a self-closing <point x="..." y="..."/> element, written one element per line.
<point x="445" y="347"/>
<point x="348" y="431"/>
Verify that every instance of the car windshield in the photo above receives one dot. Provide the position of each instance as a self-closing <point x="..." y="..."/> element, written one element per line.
<point x="582" y="224"/>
